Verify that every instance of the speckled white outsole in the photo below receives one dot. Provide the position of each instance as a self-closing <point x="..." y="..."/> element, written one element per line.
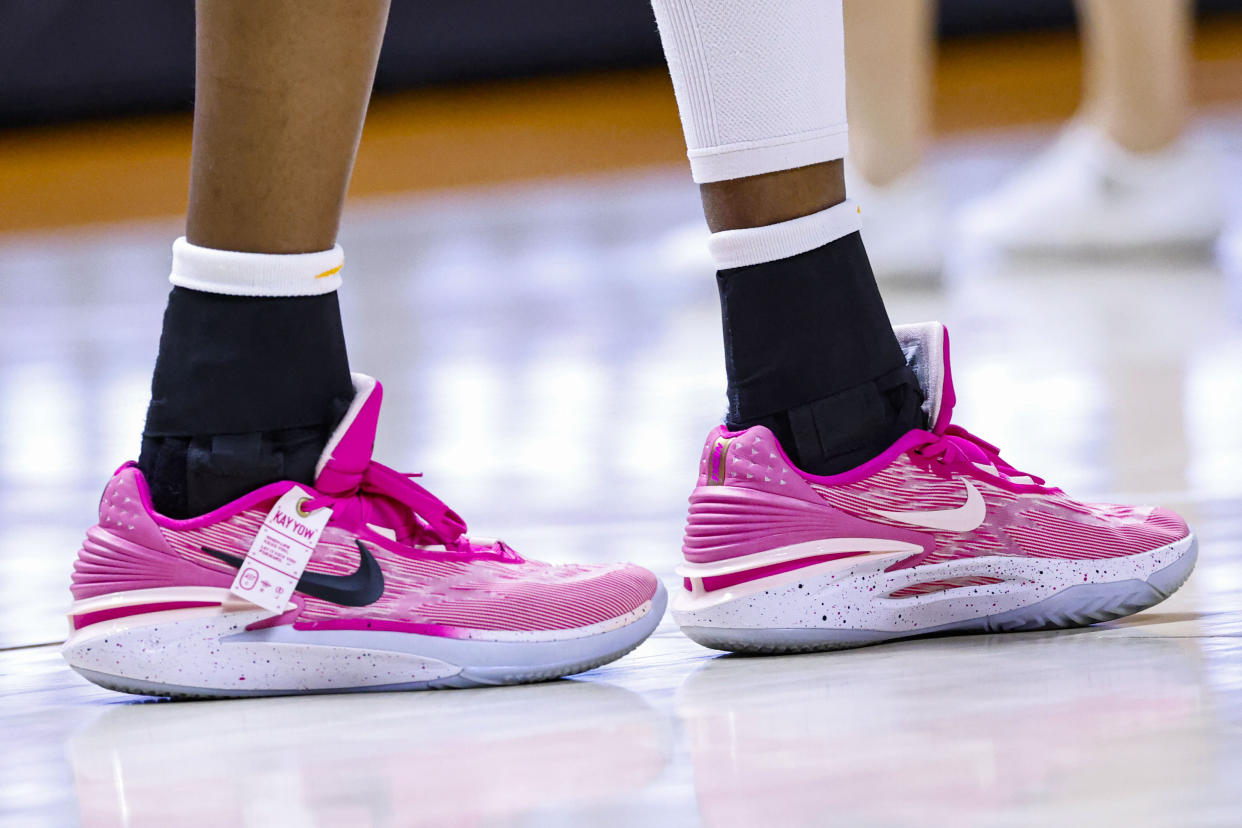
<point x="207" y="653"/>
<point x="809" y="610"/>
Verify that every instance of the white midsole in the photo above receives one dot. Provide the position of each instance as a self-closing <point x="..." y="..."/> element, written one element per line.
<point x="210" y="647"/>
<point x="852" y="593"/>
<point x="188" y="648"/>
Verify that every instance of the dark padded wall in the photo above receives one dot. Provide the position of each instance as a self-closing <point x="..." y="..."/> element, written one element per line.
<point x="62" y="59"/>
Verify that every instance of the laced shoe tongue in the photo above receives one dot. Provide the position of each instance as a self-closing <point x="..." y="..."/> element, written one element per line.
<point x="391" y="503"/>
<point x="345" y="458"/>
<point x="926" y="346"/>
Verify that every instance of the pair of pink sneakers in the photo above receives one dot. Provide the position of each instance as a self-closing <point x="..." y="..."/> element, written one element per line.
<point x="936" y="534"/>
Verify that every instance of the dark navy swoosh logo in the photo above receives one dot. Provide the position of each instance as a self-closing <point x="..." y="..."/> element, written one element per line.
<point x="359" y="589"/>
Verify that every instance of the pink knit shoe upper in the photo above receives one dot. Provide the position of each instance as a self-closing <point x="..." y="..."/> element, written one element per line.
<point x="944" y="491"/>
<point x="436" y="579"/>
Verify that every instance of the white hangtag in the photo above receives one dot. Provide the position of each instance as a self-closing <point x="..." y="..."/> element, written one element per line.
<point x="281" y="549"/>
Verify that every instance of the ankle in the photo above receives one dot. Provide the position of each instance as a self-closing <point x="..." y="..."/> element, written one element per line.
<point x="771" y="198"/>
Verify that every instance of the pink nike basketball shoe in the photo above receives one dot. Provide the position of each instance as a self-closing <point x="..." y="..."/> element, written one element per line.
<point x="937" y="534"/>
<point x="389" y="592"/>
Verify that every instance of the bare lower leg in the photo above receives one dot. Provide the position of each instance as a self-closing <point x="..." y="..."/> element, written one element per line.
<point x="761" y="200"/>
<point x="282" y="89"/>
<point x="889" y="51"/>
<point x="1136" y="56"/>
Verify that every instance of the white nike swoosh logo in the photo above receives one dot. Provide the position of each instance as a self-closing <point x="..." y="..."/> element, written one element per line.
<point x="964" y="518"/>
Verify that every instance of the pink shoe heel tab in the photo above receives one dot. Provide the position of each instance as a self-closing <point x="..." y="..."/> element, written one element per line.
<point x="709" y="461"/>
<point x="932" y="367"/>
<point x="131" y="481"/>
<point x="948" y="397"/>
<point x="706" y="453"/>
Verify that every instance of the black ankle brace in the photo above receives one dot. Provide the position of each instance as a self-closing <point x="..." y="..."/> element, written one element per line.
<point x="810" y="353"/>
<point x="246" y="391"/>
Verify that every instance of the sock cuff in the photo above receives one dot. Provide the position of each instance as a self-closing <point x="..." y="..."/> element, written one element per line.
<point x="256" y="274"/>
<point x="755" y="245"/>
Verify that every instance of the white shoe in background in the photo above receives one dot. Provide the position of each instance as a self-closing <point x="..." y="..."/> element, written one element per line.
<point x="1086" y="194"/>
<point x="904" y="225"/>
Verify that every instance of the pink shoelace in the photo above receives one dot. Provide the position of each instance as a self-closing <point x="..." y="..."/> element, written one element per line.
<point x="385" y="496"/>
<point x="956" y="448"/>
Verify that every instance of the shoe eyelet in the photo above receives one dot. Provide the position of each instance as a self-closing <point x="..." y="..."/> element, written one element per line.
<point x="302" y="512"/>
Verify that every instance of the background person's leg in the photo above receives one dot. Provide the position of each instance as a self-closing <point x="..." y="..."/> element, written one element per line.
<point x="889" y="52"/>
<point x="889" y="56"/>
<point x="809" y="350"/>
<point x="252" y="372"/>
<point x="1136" y="61"/>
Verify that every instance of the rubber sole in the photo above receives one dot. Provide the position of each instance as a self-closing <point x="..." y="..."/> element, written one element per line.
<point x="284" y="661"/>
<point x="1073" y="606"/>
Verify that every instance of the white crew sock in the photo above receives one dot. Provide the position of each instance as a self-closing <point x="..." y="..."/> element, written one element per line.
<point x="256" y="274"/>
<point x="760" y="84"/>
<point x="755" y="245"/>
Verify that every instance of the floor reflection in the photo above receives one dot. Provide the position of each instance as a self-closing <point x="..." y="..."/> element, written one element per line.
<point x="974" y="728"/>
<point x="461" y="758"/>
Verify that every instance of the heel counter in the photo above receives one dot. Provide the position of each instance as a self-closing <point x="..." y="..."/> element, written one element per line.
<point x="752" y="459"/>
<point x="743" y="477"/>
<point x="125" y="509"/>
<point x="710" y="460"/>
<point x="765" y="503"/>
<point x="125" y="549"/>
<point x="731" y="521"/>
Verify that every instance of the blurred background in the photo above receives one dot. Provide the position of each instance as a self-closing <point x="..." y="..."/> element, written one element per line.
<point x="95" y="97"/>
